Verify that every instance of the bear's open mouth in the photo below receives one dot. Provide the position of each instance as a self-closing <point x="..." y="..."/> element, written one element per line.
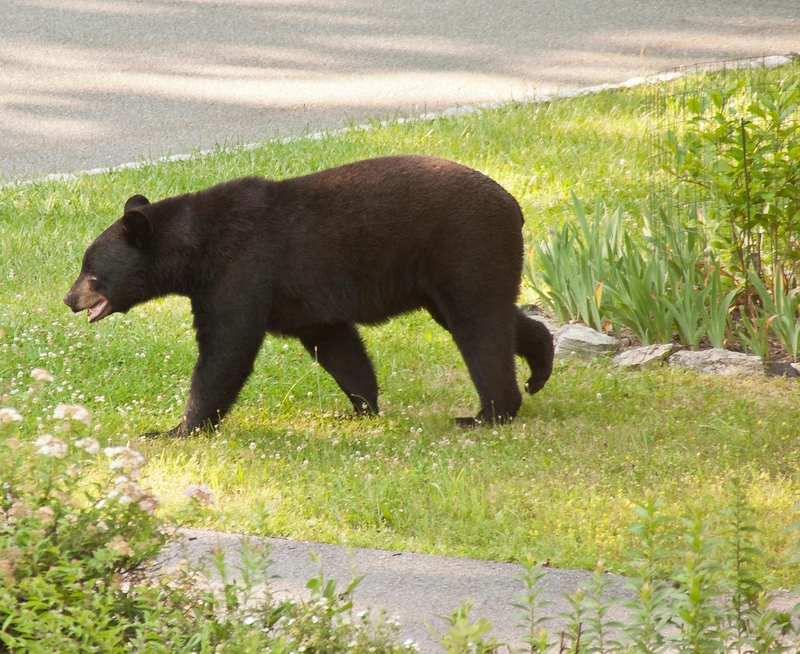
<point x="99" y="310"/>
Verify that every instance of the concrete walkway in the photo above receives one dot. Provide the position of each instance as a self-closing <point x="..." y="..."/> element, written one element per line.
<point x="418" y="590"/>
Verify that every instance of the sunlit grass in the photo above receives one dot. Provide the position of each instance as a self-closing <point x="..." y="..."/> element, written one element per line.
<point x="288" y="461"/>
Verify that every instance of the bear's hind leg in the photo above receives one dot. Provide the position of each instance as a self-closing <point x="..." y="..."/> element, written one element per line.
<point x="487" y="344"/>
<point x="535" y="345"/>
<point x="339" y="349"/>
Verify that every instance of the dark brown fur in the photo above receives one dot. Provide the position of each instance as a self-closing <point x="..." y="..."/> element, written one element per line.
<point x="313" y="256"/>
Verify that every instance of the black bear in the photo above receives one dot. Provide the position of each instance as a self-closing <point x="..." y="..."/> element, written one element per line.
<point x="313" y="256"/>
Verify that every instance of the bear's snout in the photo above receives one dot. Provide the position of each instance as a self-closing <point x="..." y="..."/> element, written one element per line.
<point x="73" y="297"/>
<point x="81" y="297"/>
<point x="70" y="301"/>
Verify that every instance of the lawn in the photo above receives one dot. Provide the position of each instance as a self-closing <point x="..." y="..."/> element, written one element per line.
<point x="561" y="481"/>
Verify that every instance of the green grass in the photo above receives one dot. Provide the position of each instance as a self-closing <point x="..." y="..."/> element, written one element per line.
<point x="560" y="481"/>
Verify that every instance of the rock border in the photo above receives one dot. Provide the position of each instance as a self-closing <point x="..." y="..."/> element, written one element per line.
<point x="580" y="342"/>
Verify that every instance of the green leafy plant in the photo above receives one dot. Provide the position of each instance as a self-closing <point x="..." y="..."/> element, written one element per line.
<point x="529" y="606"/>
<point x="569" y="270"/>
<point x="665" y="282"/>
<point x="739" y="147"/>
<point x="465" y="636"/>
<point x="572" y="634"/>
<point x="650" y="608"/>
<point x="754" y="332"/>
<point x="68" y="553"/>
<point x="684" y="598"/>
<point x="783" y="309"/>
<point x="639" y="294"/>
<point x="598" y="628"/>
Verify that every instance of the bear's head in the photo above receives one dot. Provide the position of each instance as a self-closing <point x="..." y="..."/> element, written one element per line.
<point x="115" y="271"/>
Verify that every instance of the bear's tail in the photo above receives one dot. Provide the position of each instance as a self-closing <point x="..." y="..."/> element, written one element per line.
<point x="535" y="345"/>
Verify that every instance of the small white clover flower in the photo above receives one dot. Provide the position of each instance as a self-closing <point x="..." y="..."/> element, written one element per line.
<point x="89" y="445"/>
<point x="202" y="493"/>
<point x="73" y="412"/>
<point x="40" y="374"/>
<point x="9" y="415"/>
<point x="50" y="446"/>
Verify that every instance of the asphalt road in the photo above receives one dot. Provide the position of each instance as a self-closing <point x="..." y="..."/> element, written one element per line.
<point x="93" y="83"/>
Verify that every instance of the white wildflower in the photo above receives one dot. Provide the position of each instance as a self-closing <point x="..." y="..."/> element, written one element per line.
<point x="73" y="412"/>
<point x="9" y="415"/>
<point x="46" y="514"/>
<point x="148" y="504"/>
<point x="89" y="445"/>
<point x="50" y="446"/>
<point x="125" y="458"/>
<point x="7" y="573"/>
<point x="119" y="545"/>
<point x="19" y="510"/>
<point x="202" y="493"/>
<point x="129" y="491"/>
<point x="40" y="374"/>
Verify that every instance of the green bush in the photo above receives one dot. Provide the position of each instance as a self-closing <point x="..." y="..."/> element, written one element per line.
<point x="78" y="543"/>
<point x="740" y="148"/>
<point x="736" y="243"/>
<point x="75" y="534"/>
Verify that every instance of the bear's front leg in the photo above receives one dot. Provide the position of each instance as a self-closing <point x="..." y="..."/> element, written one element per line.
<point x="228" y="343"/>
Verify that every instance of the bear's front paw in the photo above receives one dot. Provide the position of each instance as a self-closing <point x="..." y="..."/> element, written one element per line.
<point x="175" y="432"/>
<point x="150" y="435"/>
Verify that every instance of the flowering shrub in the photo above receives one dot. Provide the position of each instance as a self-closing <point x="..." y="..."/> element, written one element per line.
<point x="74" y="536"/>
<point x="78" y="541"/>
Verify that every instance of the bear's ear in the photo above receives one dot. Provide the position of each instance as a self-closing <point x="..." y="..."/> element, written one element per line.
<point x="136" y="227"/>
<point x="135" y="202"/>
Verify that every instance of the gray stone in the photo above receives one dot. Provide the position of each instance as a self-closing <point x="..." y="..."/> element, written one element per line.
<point x="583" y="342"/>
<point x="718" y="362"/>
<point x="646" y="356"/>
